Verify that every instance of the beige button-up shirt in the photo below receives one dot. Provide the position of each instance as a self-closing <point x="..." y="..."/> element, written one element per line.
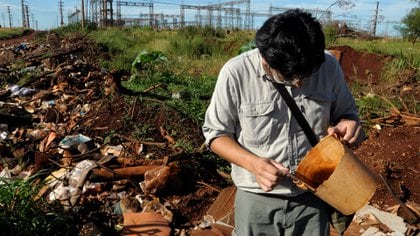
<point x="248" y="108"/>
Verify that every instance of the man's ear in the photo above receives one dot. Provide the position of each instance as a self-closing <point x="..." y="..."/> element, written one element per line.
<point x="265" y="66"/>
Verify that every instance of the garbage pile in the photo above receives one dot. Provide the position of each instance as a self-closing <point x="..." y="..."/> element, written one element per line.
<point x="63" y="115"/>
<point x="51" y="96"/>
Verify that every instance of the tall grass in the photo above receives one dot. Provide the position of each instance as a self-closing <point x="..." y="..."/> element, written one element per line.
<point x="20" y="214"/>
<point x="194" y="50"/>
<point x="194" y="53"/>
<point x="398" y="48"/>
<point x="8" y="33"/>
<point x="401" y="70"/>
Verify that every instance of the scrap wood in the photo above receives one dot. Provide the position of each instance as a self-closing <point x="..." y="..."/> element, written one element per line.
<point x="134" y="148"/>
<point x="116" y="86"/>
<point x="134" y="171"/>
<point x="395" y="118"/>
<point x="10" y="104"/>
<point x="58" y="53"/>
<point x="414" y="207"/>
<point x="209" y="186"/>
<point x="393" y="222"/>
<point x="158" y="85"/>
<point x="133" y="109"/>
<point x="412" y="230"/>
<point x="128" y="161"/>
<point x="413" y="217"/>
<point x="410" y="119"/>
<point x="223" y="207"/>
<point x="158" y="179"/>
<point x="158" y="144"/>
<point x="178" y="155"/>
<point x="166" y="136"/>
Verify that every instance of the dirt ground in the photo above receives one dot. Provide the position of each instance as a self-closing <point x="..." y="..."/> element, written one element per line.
<point x="391" y="149"/>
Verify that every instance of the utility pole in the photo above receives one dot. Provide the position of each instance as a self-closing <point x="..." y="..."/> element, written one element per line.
<point x="22" y="3"/>
<point x="60" y="9"/>
<point x="27" y="16"/>
<point x="375" y="19"/>
<point x="10" y="16"/>
<point x="83" y="14"/>
<point x="33" y="20"/>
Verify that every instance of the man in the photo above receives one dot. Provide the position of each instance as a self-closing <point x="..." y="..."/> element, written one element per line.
<point x="249" y="124"/>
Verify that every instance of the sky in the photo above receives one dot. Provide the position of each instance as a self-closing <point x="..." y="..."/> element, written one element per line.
<point x="44" y="14"/>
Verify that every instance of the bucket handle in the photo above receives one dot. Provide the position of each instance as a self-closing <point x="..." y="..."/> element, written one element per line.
<point x="301" y="184"/>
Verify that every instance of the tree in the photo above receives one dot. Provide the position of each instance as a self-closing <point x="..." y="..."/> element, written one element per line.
<point x="416" y="1"/>
<point x="411" y="25"/>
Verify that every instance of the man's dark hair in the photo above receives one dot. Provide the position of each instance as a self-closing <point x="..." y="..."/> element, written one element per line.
<point x="292" y="43"/>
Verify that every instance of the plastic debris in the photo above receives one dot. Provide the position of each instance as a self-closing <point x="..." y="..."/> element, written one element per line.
<point x="73" y="140"/>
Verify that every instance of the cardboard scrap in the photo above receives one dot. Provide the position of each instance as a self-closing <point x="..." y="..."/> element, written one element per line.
<point x="222" y="208"/>
<point x="393" y="222"/>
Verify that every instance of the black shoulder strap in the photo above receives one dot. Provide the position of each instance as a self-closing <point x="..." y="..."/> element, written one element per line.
<point x="297" y="113"/>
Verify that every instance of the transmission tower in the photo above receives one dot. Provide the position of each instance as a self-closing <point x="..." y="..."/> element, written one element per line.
<point x="107" y="13"/>
<point x="151" y="15"/>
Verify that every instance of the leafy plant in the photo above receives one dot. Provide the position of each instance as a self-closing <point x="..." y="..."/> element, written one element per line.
<point x="250" y="45"/>
<point x="372" y="106"/>
<point x="147" y="61"/>
<point x="330" y="33"/>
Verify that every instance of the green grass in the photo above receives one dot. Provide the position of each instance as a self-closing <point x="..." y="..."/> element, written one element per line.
<point x="401" y="49"/>
<point x="192" y="50"/>
<point x="20" y="214"/>
<point x="195" y="56"/>
<point x="403" y="67"/>
<point x="8" y="33"/>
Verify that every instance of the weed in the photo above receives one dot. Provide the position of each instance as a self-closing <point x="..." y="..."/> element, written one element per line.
<point x="372" y="106"/>
<point x="142" y="131"/>
<point x="8" y="33"/>
<point x="330" y="32"/>
<point x="20" y="214"/>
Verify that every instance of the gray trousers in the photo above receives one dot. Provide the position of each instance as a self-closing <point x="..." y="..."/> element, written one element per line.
<point x="263" y="214"/>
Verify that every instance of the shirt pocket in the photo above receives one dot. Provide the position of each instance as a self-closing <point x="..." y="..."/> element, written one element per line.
<point x="317" y="109"/>
<point x="257" y="122"/>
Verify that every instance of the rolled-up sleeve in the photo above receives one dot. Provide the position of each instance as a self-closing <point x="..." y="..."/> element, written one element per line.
<point x="222" y="114"/>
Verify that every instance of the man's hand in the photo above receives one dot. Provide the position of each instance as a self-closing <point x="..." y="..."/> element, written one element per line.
<point x="349" y="131"/>
<point x="268" y="173"/>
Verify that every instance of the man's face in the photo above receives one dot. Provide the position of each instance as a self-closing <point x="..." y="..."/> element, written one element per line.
<point x="295" y="81"/>
<point x="275" y="75"/>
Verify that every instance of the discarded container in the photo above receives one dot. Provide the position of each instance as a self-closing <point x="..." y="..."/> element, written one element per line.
<point x="73" y="140"/>
<point x="337" y="176"/>
<point x="21" y="46"/>
<point x="16" y="90"/>
<point x="145" y="223"/>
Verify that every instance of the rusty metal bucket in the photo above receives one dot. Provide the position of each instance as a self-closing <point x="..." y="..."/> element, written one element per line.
<point x="337" y="176"/>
